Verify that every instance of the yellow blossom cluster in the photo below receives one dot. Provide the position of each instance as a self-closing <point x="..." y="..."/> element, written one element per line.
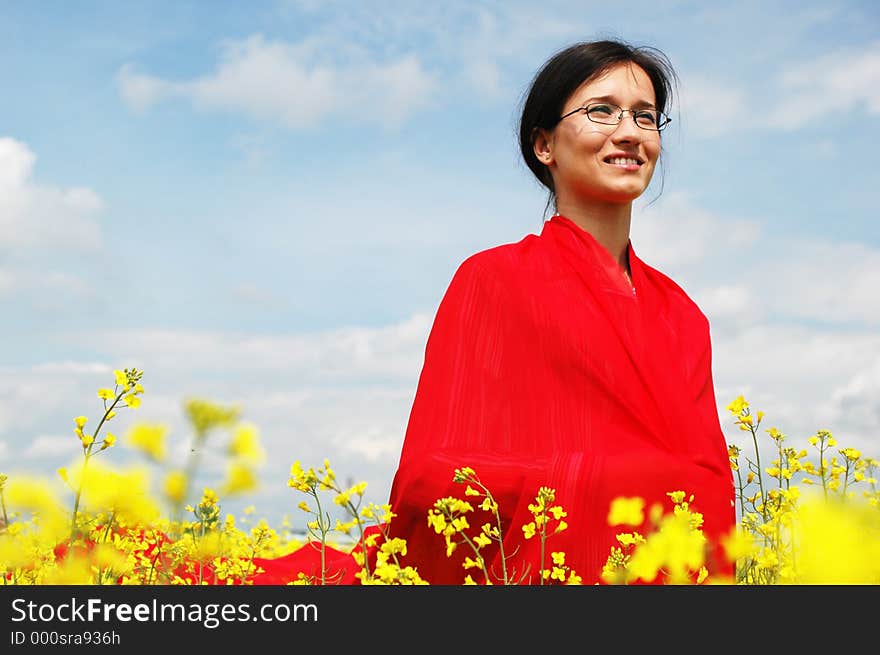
<point x="799" y="519"/>
<point x="808" y="516"/>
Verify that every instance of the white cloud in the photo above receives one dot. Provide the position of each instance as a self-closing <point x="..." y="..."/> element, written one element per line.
<point x="710" y="107"/>
<point x="390" y="352"/>
<point x="47" y="292"/>
<point x="294" y="84"/>
<point x="837" y="86"/>
<point x="35" y="215"/>
<point x="677" y="232"/>
<point x="833" y="86"/>
<point x="253" y="294"/>
<point x="7" y="282"/>
<point x="805" y="379"/>
<point x="857" y="402"/>
<point x="45" y="445"/>
<point x="141" y="91"/>
<point x="72" y="368"/>
<point x="822" y="281"/>
<point x="729" y="300"/>
<point x="792" y="278"/>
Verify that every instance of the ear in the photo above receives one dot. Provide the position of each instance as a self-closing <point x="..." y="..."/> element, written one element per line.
<point x="542" y="143"/>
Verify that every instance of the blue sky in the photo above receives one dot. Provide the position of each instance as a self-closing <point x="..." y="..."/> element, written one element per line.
<point x="263" y="204"/>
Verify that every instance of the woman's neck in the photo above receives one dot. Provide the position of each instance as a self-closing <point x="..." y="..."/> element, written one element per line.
<point x="608" y="223"/>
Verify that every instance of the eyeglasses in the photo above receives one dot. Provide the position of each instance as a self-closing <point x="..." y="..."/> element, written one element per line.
<point x="608" y="114"/>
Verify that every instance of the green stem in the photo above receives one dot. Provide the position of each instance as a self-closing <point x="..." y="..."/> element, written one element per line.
<point x="109" y="525"/>
<point x="87" y="454"/>
<point x="79" y="489"/>
<point x="846" y="478"/>
<point x="323" y="528"/>
<point x="497" y="516"/>
<point x="354" y="512"/>
<point x="742" y="500"/>
<point x="543" y="544"/>
<point x="754" y="432"/>
<point x="3" y="505"/>
<point x="192" y="464"/>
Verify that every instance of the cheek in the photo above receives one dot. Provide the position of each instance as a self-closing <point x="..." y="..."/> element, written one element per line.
<point x="588" y="136"/>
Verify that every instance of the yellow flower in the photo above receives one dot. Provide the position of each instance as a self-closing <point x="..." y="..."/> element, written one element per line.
<point x="677" y="497"/>
<point x="558" y="512"/>
<point x="737" y="406"/>
<point x="472" y="563"/>
<point x="205" y="415"/>
<point x="245" y="444"/>
<point x="123" y="493"/>
<point x="704" y="573"/>
<point x="239" y="479"/>
<point x="149" y="439"/>
<point x="106" y="394"/>
<point x="851" y="453"/>
<point x="132" y="401"/>
<point x="629" y="539"/>
<point x="529" y="530"/>
<point x="437" y="521"/>
<point x="80" y="421"/>
<point x="482" y="540"/>
<point x="175" y="486"/>
<point x="627" y="511"/>
<point x="488" y="504"/>
<point x="121" y="379"/>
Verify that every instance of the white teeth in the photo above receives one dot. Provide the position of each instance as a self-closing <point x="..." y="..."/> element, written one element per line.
<point x="623" y="160"/>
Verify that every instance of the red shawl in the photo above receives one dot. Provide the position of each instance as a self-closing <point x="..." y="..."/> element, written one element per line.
<point x="544" y="367"/>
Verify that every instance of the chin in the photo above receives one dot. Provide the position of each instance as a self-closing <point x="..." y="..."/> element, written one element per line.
<point x="621" y="197"/>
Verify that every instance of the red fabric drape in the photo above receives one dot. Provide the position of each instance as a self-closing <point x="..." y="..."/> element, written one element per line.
<point x="544" y="367"/>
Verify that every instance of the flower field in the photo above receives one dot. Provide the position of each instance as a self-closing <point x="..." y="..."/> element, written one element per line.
<point x="811" y="515"/>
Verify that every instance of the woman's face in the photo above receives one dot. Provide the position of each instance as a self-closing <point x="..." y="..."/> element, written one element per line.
<point x="585" y="157"/>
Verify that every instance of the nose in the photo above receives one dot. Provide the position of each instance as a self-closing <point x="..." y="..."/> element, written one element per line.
<point x="627" y="130"/>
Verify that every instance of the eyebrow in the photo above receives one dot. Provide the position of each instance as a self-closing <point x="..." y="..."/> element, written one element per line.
<point x="639" y="103"/>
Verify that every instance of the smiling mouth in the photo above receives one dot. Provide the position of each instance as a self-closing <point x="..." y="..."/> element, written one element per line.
<point x="623" y="161"/>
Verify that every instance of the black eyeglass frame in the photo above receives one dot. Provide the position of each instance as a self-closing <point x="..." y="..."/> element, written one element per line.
<point x="662" y="119"/>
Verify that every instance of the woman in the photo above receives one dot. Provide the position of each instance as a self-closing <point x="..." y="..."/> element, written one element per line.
<point x="563" y="360"/>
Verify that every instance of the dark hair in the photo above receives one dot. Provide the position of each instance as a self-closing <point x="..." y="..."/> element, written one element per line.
<point x="568" y="69"/>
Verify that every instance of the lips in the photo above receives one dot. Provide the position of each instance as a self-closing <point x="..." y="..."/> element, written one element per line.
<point x="623" y="159"/>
